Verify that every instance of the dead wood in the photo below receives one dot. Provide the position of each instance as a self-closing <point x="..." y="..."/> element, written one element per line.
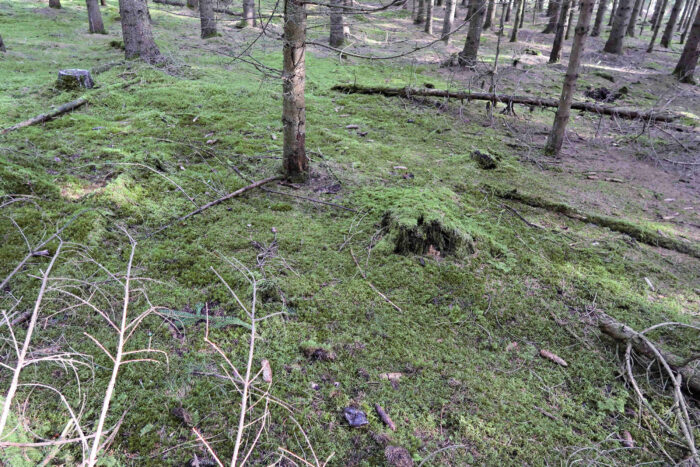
<point x="632" y="114"/>
<point x="385" y="417"/>
<point x="623" y="333"/>
<point x="638" y="233"/>
<point x="65" y="108"/>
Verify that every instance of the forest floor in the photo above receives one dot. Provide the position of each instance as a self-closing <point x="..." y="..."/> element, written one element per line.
<point x="464" y="328"/>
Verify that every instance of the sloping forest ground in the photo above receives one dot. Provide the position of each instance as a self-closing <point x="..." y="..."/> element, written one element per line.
<point x="463" y="331"/>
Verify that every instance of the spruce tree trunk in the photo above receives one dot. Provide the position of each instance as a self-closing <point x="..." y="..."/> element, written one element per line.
<point x="657" y="25"/>
<point x="553" y="18"/>
<point x="136" y="31"/>
<point x="646" y="14"/>
<point x="467" y="57"/>
<point x="2" y="45"/>
<point x="556" y="136"/>
<point x="551" y="6"/>
<point x="55" y="4"/>
<point x="420" y="13"/>
<point x="633" y="17"/>
<point x="510" y="7"/>
<point x="488" y="22"/>
<point x="296" y="164"/>
<point x="103" y="2"/>
<point x="193" y="4"/>
<point x="448" y="21"/>
<point x="555" y="54"/>
<point x="689" y="57"/>
<point x="657" y="7"/>
<point x="572" y="10"/>
<point x="671" y="24"/>
<point x="599" y="16"/>
<point x="612" y="13"/>
<point x="337" y="38"/>
<point x="686" y="28"/>
<point x="248" y="13"/>
<point x="619" y="29"/>
<point x="516" y="23"/>
<point x="207" y="18"/>
<point x="95" y="25"/>
<point x="429" y="16"/>
<point x="522" y="13"/>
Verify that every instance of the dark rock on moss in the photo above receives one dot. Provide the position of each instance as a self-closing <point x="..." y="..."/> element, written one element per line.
<point x="484" y="160"/>
<point x="355" y="417"/>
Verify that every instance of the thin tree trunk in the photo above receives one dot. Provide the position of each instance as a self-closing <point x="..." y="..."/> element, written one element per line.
<point x="686" y="28"/>
<point x="467" y="57"/>
<point x="657" y="26"/>
<point x="193" y="4"/>
<point x="136" y="31"/>
<point x="337" y="38"/>
<point x="420" y="13"/>
<point x="522" y="13"/>
<point x="296" y="163"/>
<point x="657" y="8"/>
<point x="516" y="23"/>
<point x="249" y="13"/>
<point x="689" y="57"/>
<point x="488" y="22"/>
<point x="54" y="3"/>
<point x="556" y="137"/>
<point x="633" y="17"/>
<point x="207" y="18"/>
<point x="612" y="12"/>
<point x="646" y="15"/>
<point x="599" y="16"/>
<point x="553" y="18"/>
<point x="95" y="25"/>
<point x="619" y="29"/>
<point x="671" y="24"/>
<point x="510" y="7"/>
<point x="429" y="16"/>
<point x="448" y="21"/>
<point x="555" y="54"/>
<point x="572" y="10"/>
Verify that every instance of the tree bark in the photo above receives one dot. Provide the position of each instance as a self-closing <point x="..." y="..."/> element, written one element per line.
<point x="553" y="18"/>
<point x="570" y="21"/>
<point x="249" y="13"/>
<point x="555" y="54"/>
<point x="689" y="57"/>
<point x="612" y="12"/>
<point x="556" y="137"/>
<point x="448" y="21"/>
<point x="619" y="28"/>
<point x="103" y="2"/>
<point x="207" y="18"/>
<point x="657" y="25"/>
<point x="633" y="17"/>
<point x="510" y="7"/>
<point x="296" y="164"/>
<point x="337" y="38"/>
<point x="671" y="24"/>
<point x="488" y="22"/>
<point x="686" y="28"/>
<point x="95" y="25"/>
<point x="136" y="31"/>
<point x="522" y="13"/>
<point x="420" y="13"/>
<point x="55" y="4"/>
<point x="467" y="57"/>
<point x="646" y="14"/>
<point x="599" y="16"/>
<point x="516" y="23"/>
<point x="429" y="16"/>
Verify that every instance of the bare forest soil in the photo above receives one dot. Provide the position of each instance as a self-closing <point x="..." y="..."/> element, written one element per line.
<point x="397" y="276"/>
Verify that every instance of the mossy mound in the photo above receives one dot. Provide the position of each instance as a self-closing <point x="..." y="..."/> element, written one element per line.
<point x="419" y="234"/>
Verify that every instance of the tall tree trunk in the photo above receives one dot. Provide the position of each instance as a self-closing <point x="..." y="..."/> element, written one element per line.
<point x="686" y="28"/>
<point x="207" y="18"/>
<point x="619" y="29"/>
<point x="553" y="18"/>
<point x="689" y="57"/>
<point x="657" y="25"/>
<point x="538" y="5"/>
<point x="488" y="22"/>
<point x="510" y="7"/>
<point x="420" y="13"/>
<point x="194" y="4"/>
<point x="448" y="21"/>
<point x="646" y="15"/>
<point x="429" y="16"/>
<point x="296" y="164"/>
<point x="556" y="136"/>
<point x="633" y="17"/>
<point x="671" y="24"/>
<point x="337" y="27"/>
<point x="249" y="13"/>
<point x="551" y="6"/>
<point x="572" y="10"/>
<point x="95" y="25"/>
<point x="103" y="2"/>
<point x="599" y="16"/>
<point x="612" y="12"/>
<point x="467" y="57"/>
<point x="54" y="3"/>
<point x="522" y="13"/>
<point x="555" y="54"/>
<point x="516" y="23"/>
<point x="136" y="31"/>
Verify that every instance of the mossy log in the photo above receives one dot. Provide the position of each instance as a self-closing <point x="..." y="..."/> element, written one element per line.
<point x="623" y="333"/>
<point x="639" y="233"/>
<point x="632" y="114"/>
<point x="72" y="105"/>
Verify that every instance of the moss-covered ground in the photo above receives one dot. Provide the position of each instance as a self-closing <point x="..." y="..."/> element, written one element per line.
<point x="467" y="337"/>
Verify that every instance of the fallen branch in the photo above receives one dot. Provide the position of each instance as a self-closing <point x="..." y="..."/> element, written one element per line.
<point x="639" y="233"/>
<point x="362" y="273"/>
<point x="385" y="417"/>
<point x="65" y="108"/>
<point x="509" y="99"/>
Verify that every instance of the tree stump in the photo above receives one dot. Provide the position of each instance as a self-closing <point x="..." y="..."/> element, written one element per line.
<point x="74" y="79"/>
<point x="55" y="4"/>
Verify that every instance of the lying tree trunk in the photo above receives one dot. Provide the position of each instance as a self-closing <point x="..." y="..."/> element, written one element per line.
<point x="631" y="114"/>
<point x="47" y="116"/>
<point x="689" y="57"/>
<point x="638" y="233"/>
<point x="623" y="333"/>
<point x="95" y="25"/>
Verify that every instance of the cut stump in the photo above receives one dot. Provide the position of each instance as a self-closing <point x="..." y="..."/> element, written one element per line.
<point x="73" y="78"/>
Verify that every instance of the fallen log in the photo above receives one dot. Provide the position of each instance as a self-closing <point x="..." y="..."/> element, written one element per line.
<point x="65" y="108"/>
<point x="623" y="333"/>
<point x="631" y="114"/>
<point x="637" y="232"/>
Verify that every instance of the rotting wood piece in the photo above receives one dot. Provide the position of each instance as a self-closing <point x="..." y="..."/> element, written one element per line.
<point x="632" y="114"/>
<point x="72" y="105"/>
